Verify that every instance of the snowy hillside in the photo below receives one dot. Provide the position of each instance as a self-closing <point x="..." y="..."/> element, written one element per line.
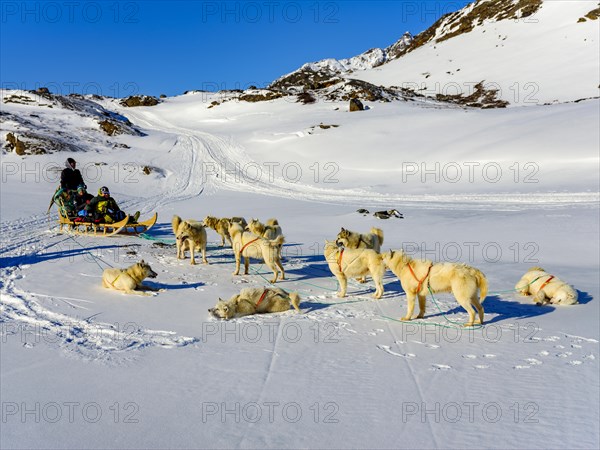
<point x="529" y="60"/>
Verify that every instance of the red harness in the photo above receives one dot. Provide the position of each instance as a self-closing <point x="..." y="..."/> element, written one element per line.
<point x="262" y="297"/>
<point x="247" y="244"/>
<point x="546" y="282"/>
<point x="421" y="280"/>
<point x="339" y="261"/>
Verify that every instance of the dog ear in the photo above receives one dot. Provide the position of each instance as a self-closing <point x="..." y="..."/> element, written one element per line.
<point x="391" y="253"/>
<point x="342" y="230"/>
<point x="142" y="262"/>
<point x="226" y="308"/>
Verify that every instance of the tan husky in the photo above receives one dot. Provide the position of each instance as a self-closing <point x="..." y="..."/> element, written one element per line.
<point x="270" y="230"/>
<point x="190" y="235"/>
<point x="352" y="239"/>
<point x="546" y="288"/>
<point x="221" y="226"/>
<point x="129" y="280"/>
<point x="353" y="262"/>
<point x="256" y="301"/>
<point x="418" y="276"/>
<point x="249" y="246"/>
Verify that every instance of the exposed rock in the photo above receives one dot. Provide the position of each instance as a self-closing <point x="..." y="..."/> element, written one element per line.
<point x="480" y="98"/>
<point x="15" y="144"/>
<point x="592" y="15"/>
<point x="260" y="96"/>
<point x="163" y="96"/>
<point x="139" y="100"/>
<point x="306" y="98"/>
<point x="363" y="211"/>
<point x="356" y="105"/>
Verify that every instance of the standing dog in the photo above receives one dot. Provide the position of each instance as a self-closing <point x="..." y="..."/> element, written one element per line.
<point x="417" y="276"/>
<point x="546" y="288"/>
<point x="190" y="235"/>
<point x="351" y="239"/>
<point x="256" y="301"/>
<point x="354" y="262"/>
<point x="129" y="280"/>
<point x="270" y="230"/>
<point x="221" y="226"/>
<point x="249" y="246"/>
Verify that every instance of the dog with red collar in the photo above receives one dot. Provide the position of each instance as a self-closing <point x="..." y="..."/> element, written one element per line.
<point x="546" y="288"/>
<point x="256" y="301"/>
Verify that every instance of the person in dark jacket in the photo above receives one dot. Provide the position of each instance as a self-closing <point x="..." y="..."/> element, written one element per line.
<point x="105" y="208"/>
<point x="81" y="199"/>
<point x="70" y="177"/>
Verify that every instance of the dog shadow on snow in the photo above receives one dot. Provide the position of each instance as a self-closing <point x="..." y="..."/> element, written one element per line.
<point x="503" y="308"/>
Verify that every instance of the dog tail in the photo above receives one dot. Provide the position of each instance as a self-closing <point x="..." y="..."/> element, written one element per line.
<point x="277" y="242"/>
<point x="536" y="268"/>
<point x="379" y="233"/>
<point x="483" y="285"/>
<point x="175" y="223"/>
<point x="272" y="222"/>
<point x="295" y="301"/>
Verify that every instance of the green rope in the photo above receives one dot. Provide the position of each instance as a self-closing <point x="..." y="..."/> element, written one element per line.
<point x="152" y="238"/>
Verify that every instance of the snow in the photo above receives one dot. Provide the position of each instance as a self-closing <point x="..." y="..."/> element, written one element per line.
<point x="85" y="367"/>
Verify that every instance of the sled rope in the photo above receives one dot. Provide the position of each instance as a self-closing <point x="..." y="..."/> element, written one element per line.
<point x="152" y="238"/>
<point x="95" y="258"/>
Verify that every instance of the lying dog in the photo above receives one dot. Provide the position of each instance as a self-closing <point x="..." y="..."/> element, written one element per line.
<point x="190" y="235"/>
<point x="354" y="262"/>
<point x="249" y="246"/>
<point x="546" y="288"/>
<point x="129" y="280"/>
<point x="418" y="276"/>
<point x="221" y="226"/>
<point x="388" y="214"/>
<point x="270" y="230"/>
<point x="256" y="301"/>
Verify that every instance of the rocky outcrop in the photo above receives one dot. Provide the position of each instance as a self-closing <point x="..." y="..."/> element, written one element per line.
<point x="480" y="98"/>
<point x="139" y="100"/>
<point x="356" y="105"/>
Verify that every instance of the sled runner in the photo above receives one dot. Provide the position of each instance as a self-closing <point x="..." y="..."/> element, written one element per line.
<point x="85" y="227"/>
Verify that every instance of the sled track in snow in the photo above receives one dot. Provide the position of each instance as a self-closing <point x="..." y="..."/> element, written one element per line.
<point x="26" y="318"/>
<point x="225" y="157"/>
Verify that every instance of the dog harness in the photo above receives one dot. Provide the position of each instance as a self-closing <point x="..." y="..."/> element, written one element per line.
<point x="247" y="244"/>
<point x="422" y="279"/>
<point x="112" y="283"/>
<point x="262" y="297"/>
<point x="339" y="261"/>
<point x="546" y="282"/>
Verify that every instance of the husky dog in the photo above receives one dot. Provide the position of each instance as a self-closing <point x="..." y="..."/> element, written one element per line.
<point x="129" y="280"/>
<point x="221" y="226"/>
<point x="354" y="262"/>
<point x="270" y="230"/>
<point x="418" y="276"/>
<point x="351" y="239"/>
<point x="249" y="246"/>
<point x="190" y="235"/>
<point x="546" y="288"/>
<point x="239" y="220"/>
<point x="256" y="301"/>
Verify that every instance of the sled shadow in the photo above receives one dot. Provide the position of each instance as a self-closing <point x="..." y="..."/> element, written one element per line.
<point x="70" y="253"/>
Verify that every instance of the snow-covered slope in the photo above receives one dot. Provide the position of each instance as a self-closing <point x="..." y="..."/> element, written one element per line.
<point x="547" y="57"/>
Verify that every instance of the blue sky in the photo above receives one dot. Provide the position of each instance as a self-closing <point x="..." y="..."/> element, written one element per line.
<point x="159" y="47"/>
